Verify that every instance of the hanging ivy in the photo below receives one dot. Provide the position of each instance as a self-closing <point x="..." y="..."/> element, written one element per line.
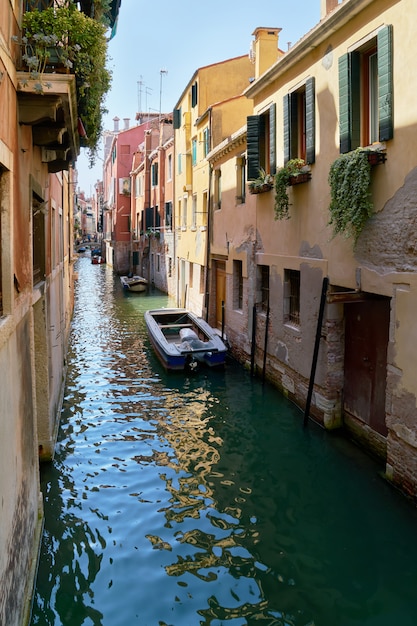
<point x="350" y="193"/>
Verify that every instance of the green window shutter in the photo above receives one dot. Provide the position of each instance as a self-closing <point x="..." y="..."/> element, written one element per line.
<point x="272" y="138"/>
<point x="344" y="104"/>
<point x="177" y="119"/>
<point x="286" y="138"/>
<point x="194" y="95"/>
<point x="310" y="120"/>
<point x="385" y="83"/>
<point x="355" y="99"/>
<point x="252" y="146"/>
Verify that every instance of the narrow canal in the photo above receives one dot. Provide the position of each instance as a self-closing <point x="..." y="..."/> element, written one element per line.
<point x="200" y="500"/>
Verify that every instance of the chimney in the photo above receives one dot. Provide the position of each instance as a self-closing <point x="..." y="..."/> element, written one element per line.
<point x="265" y="49"/>
<point x="126" y="121"/>
<point x="116" y="121"/>
<point x="327" y="7"/>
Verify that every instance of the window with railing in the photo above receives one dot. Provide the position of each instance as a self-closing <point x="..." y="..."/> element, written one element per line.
<point x="263" y="286"/>
<point x="292" y="297"/>
<point x="237" y="285"/>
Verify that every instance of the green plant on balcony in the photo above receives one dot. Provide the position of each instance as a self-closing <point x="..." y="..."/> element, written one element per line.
<point x="284" y="178"/>
<point x="350" y="195"/>
<point x="65" y="37"/>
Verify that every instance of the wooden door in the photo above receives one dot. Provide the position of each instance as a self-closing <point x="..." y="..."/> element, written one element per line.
<point x="366" y="342"/>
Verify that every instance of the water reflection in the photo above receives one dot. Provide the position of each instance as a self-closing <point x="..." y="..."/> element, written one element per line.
<point x="201" y="500"/>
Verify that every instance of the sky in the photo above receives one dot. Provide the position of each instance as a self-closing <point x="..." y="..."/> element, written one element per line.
<point x="158" y="47"/>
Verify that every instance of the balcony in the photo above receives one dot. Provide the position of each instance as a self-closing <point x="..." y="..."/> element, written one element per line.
<point x="53" y="117"/>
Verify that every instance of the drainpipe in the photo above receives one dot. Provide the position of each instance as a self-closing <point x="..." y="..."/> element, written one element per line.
<point x="207" y="286"/>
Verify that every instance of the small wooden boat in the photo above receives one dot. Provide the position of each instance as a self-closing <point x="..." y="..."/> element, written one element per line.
<point x="182" y="340"/>
<point x="134" y="283"/>
<point x="97" y="259"/>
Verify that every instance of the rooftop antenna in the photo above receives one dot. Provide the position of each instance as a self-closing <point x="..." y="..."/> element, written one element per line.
<point x="161" y="73"/>
<point x="140" y="83"/>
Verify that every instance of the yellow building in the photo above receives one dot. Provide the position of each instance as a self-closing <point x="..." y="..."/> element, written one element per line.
<point x="210" y="108"/>
<point x="341" y="91"/>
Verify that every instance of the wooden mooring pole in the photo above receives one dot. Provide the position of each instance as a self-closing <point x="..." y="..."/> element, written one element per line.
<point x="316" y="348"/>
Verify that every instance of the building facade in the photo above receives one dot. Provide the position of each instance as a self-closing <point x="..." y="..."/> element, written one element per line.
<point x="338" y="92"/>
<point x="207" y="111"/>
<point x="39" y="144"/>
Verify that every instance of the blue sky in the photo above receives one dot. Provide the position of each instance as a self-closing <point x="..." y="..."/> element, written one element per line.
<point x="179" y="38"/>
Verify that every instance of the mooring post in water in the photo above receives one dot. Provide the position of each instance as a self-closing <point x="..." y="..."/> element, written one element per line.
<point x="252" y="354"/>
<point x="266" y="341"/>
<point x="316" y="348"/>
<point x="222" y="320"/>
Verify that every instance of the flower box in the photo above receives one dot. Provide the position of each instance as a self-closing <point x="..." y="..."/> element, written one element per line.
<point x="261" y="189"/>
<point x="303" y="177"/>
<point x="376" y="158"/>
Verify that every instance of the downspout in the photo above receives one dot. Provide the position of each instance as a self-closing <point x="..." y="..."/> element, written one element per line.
<point x="207" y="286"/>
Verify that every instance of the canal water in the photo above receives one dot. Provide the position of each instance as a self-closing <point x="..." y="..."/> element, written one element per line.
<point x="189" y="500"/>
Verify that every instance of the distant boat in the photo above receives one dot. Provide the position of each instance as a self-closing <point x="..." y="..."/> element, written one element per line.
<point x="134" y="283"/>
<point x="97" y="259"/>
<point x="182" y="340"/>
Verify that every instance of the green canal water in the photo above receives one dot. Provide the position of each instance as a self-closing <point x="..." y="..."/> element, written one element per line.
<point x="201" y="500"/>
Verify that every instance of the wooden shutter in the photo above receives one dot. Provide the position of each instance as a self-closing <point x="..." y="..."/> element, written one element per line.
<point x="286" y="114"/>
<point x="177" y="119"/>
<point x="194" y="95"/>
<point x="344" y="100"/>
<point x="272" y="138"/>
<point x="385" y="84"/>
<point x="252" y="146"/>
<point x="310" y="120"/>
<point x="349" y="101"/>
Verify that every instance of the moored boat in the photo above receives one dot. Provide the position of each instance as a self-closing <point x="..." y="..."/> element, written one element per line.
<point x="97" y="259"/>
<point x="182" y="340"/>
<point x="134" y="283"/>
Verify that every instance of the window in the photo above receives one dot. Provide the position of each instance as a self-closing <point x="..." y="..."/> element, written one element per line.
<point x="184" y="214"/>
<point x="179" y="163"/>
<point x="292" y="297"/>
<point x="217" y="188"/>
<point x="168" y="215"/>
<point x="240" y="180"/>
<point x="194" y="151"/>
<point x="169" y="175"/>
<point x="206" y="142"/>
<point x="38" y="239"/>
<point x="194" y="94"/>
<point x="299" y="123"/>
<point x="154" y="174"/>
<point x="261" y="143"/>
<point x="366" y="93"/>
<point x="204" y="214"/>
<point x="263" y="286"/>
<point x="237" y="285"/>
<point x="194" y="212"/>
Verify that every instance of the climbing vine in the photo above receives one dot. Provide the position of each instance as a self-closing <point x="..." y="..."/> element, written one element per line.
<point x="350" y="195"/>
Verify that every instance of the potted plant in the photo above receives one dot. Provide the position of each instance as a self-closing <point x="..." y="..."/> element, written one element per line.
<point x="294" y="172"/>
<point x="263" y="183"/>
<point x="64" y="35"/>
<point x="350" y="195"/>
